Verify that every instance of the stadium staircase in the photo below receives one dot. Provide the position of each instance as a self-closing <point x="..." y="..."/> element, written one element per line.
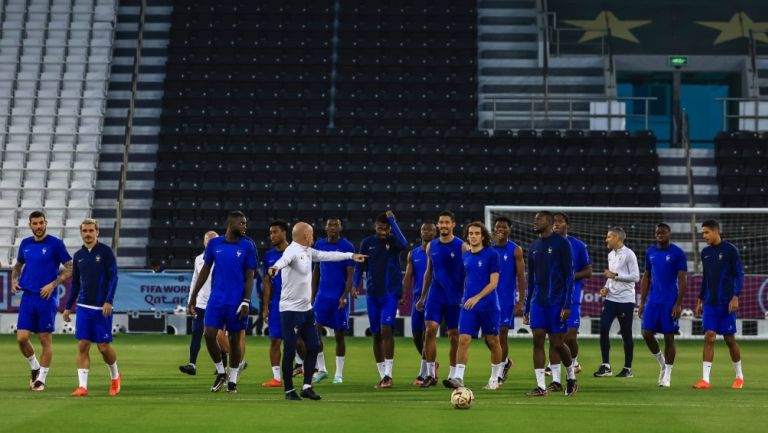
<point x="510" y="62"/>
<point x="674" y="179"/>
<point x="54" y="58"/>
<point x="146" y="126"/>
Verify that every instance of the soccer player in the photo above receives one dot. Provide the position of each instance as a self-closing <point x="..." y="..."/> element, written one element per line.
<point x="296" y="315"/>
<point x="198" y="320"/>
<point x="582" y="269"/>
<point x="331" y="286"/>
<point x="548" y="299"/>
<point x="278" y="231"/>
<point x="665" y="278"/>
<point x="36" y="274"/>
<point x="619" y="293"/>
<point x="384" y="290"/>
<point x="234" y="255"/>
<point x="441" y="294"/>
<point x="480" y="308"/>
<point x="416" y="266"/>
<point x="719" y="299"/>
<point x="511" y="280"/>
<point x="94" y="280"/>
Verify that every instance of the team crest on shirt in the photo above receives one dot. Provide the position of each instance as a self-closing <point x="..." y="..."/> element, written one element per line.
<point x="479" y="263"/>
<point x="549" y="250"/>
<point x="453" y="255"/>
<point x="239" y="253"/>
<point x="45" y="250"/>
<point x="98" y="258"/>
<point x="386" y="247"/>
<point x="720" y="256"/>
<point x="669" y="257"/>
<point x="506" y="256"/>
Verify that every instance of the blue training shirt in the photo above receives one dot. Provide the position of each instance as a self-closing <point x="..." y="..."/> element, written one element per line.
<point x="383" y="275"/>
<point x="664" y="266"/>
<point x="419" y="263"/>
<point x="333" y="275"/>
<point x="723" y="275"/>
<point x="550" y="273"/>
<point x="94" y="276"/>
<point x="580" y="260"/>
<point x="232" y="260"/>
<point x="270" y="258"/>
<point x="447" y="271"/>
<point x="478" y="268"/>
<point x="507" y="287"/>
<point x="41" y="261"/>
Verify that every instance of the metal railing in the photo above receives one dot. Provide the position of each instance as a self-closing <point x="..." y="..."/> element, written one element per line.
<point x="539" y="109"/>
<point x="129" y="129"/>
<point x="756" y="117"/>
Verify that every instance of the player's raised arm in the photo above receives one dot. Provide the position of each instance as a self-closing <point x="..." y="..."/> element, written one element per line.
<point x="401" y="241"/>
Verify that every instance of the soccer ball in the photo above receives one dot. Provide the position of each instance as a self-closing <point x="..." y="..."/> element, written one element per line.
<point x="117" y="329"/>
<point x="67" y="328"/>
<point x="687" y="312"/>
<point x="462" y="398"/>
<point x="12" y="328"/>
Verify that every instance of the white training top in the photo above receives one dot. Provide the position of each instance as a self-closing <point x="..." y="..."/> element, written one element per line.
<point x="296" y="277"/>
<point x="624" y="263"/>
<point x="205" y="291"/>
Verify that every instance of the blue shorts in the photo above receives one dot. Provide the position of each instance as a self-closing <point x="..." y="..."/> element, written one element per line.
<point x="273" y="322"/>
<point x="435" y="311"/>
<point x="658" y="318"/>
<point x="547" y="318"/>
<point x="471" y="321"/>
<point x="224" y="317"/>
<point x="37" y="314"/>
<point x="382" y="311"/>
<point x="507" y="315"/>
<point x="717" y="318"/>
<point x="574" y="320"/>
<point x="91" y="325"/>
<point x="417" y="320"/>
<point x="327" y="313"/>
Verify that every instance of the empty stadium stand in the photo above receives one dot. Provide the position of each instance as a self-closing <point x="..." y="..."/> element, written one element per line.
<point x="54" y="58"/>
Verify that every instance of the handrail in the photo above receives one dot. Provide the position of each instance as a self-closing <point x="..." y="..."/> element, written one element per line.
<point x="754" y="86"/>
<point x="685" y="141"/>
<point x="129" y="129"/>
<point x="756" y="117"/>
<point x="544" y="30"/>
<point x="571" y="116"/>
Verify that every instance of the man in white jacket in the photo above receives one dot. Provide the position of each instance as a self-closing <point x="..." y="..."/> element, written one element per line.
<point x="619" y="293"/>
<point x="199" y="317"/>
<point x="296" y="315"/>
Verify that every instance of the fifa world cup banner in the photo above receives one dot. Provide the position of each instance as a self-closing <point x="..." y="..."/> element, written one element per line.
<point x="136" y="291"/>
<point x="147" y="291"/>
<point x="753" y="300"/>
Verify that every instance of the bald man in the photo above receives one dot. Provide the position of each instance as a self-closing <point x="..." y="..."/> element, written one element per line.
<point x="199" y="317"/>
<point x="296" y="315"/>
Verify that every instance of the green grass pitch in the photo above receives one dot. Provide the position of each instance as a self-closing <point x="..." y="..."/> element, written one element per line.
<point x="157" y="397"/>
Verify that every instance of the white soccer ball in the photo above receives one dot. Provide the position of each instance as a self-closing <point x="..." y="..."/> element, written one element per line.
<point x="12" y="328"/>
<point x="117" y="329"/>
<point x="67" y="328"/>
<point x="462" y="398"/>
<point x="687" y="312"/>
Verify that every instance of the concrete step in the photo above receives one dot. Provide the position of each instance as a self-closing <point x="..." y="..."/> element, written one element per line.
<point x="488" y="21"/>
<point x="509" y="54"/>
<point x="515" y="79"/>
<point x="697" y="171"/>
<point x="508" y="63"/>
<point x="496" y="12"/>
<point x="487" y="37"/>
<point x="496" y="46"/>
